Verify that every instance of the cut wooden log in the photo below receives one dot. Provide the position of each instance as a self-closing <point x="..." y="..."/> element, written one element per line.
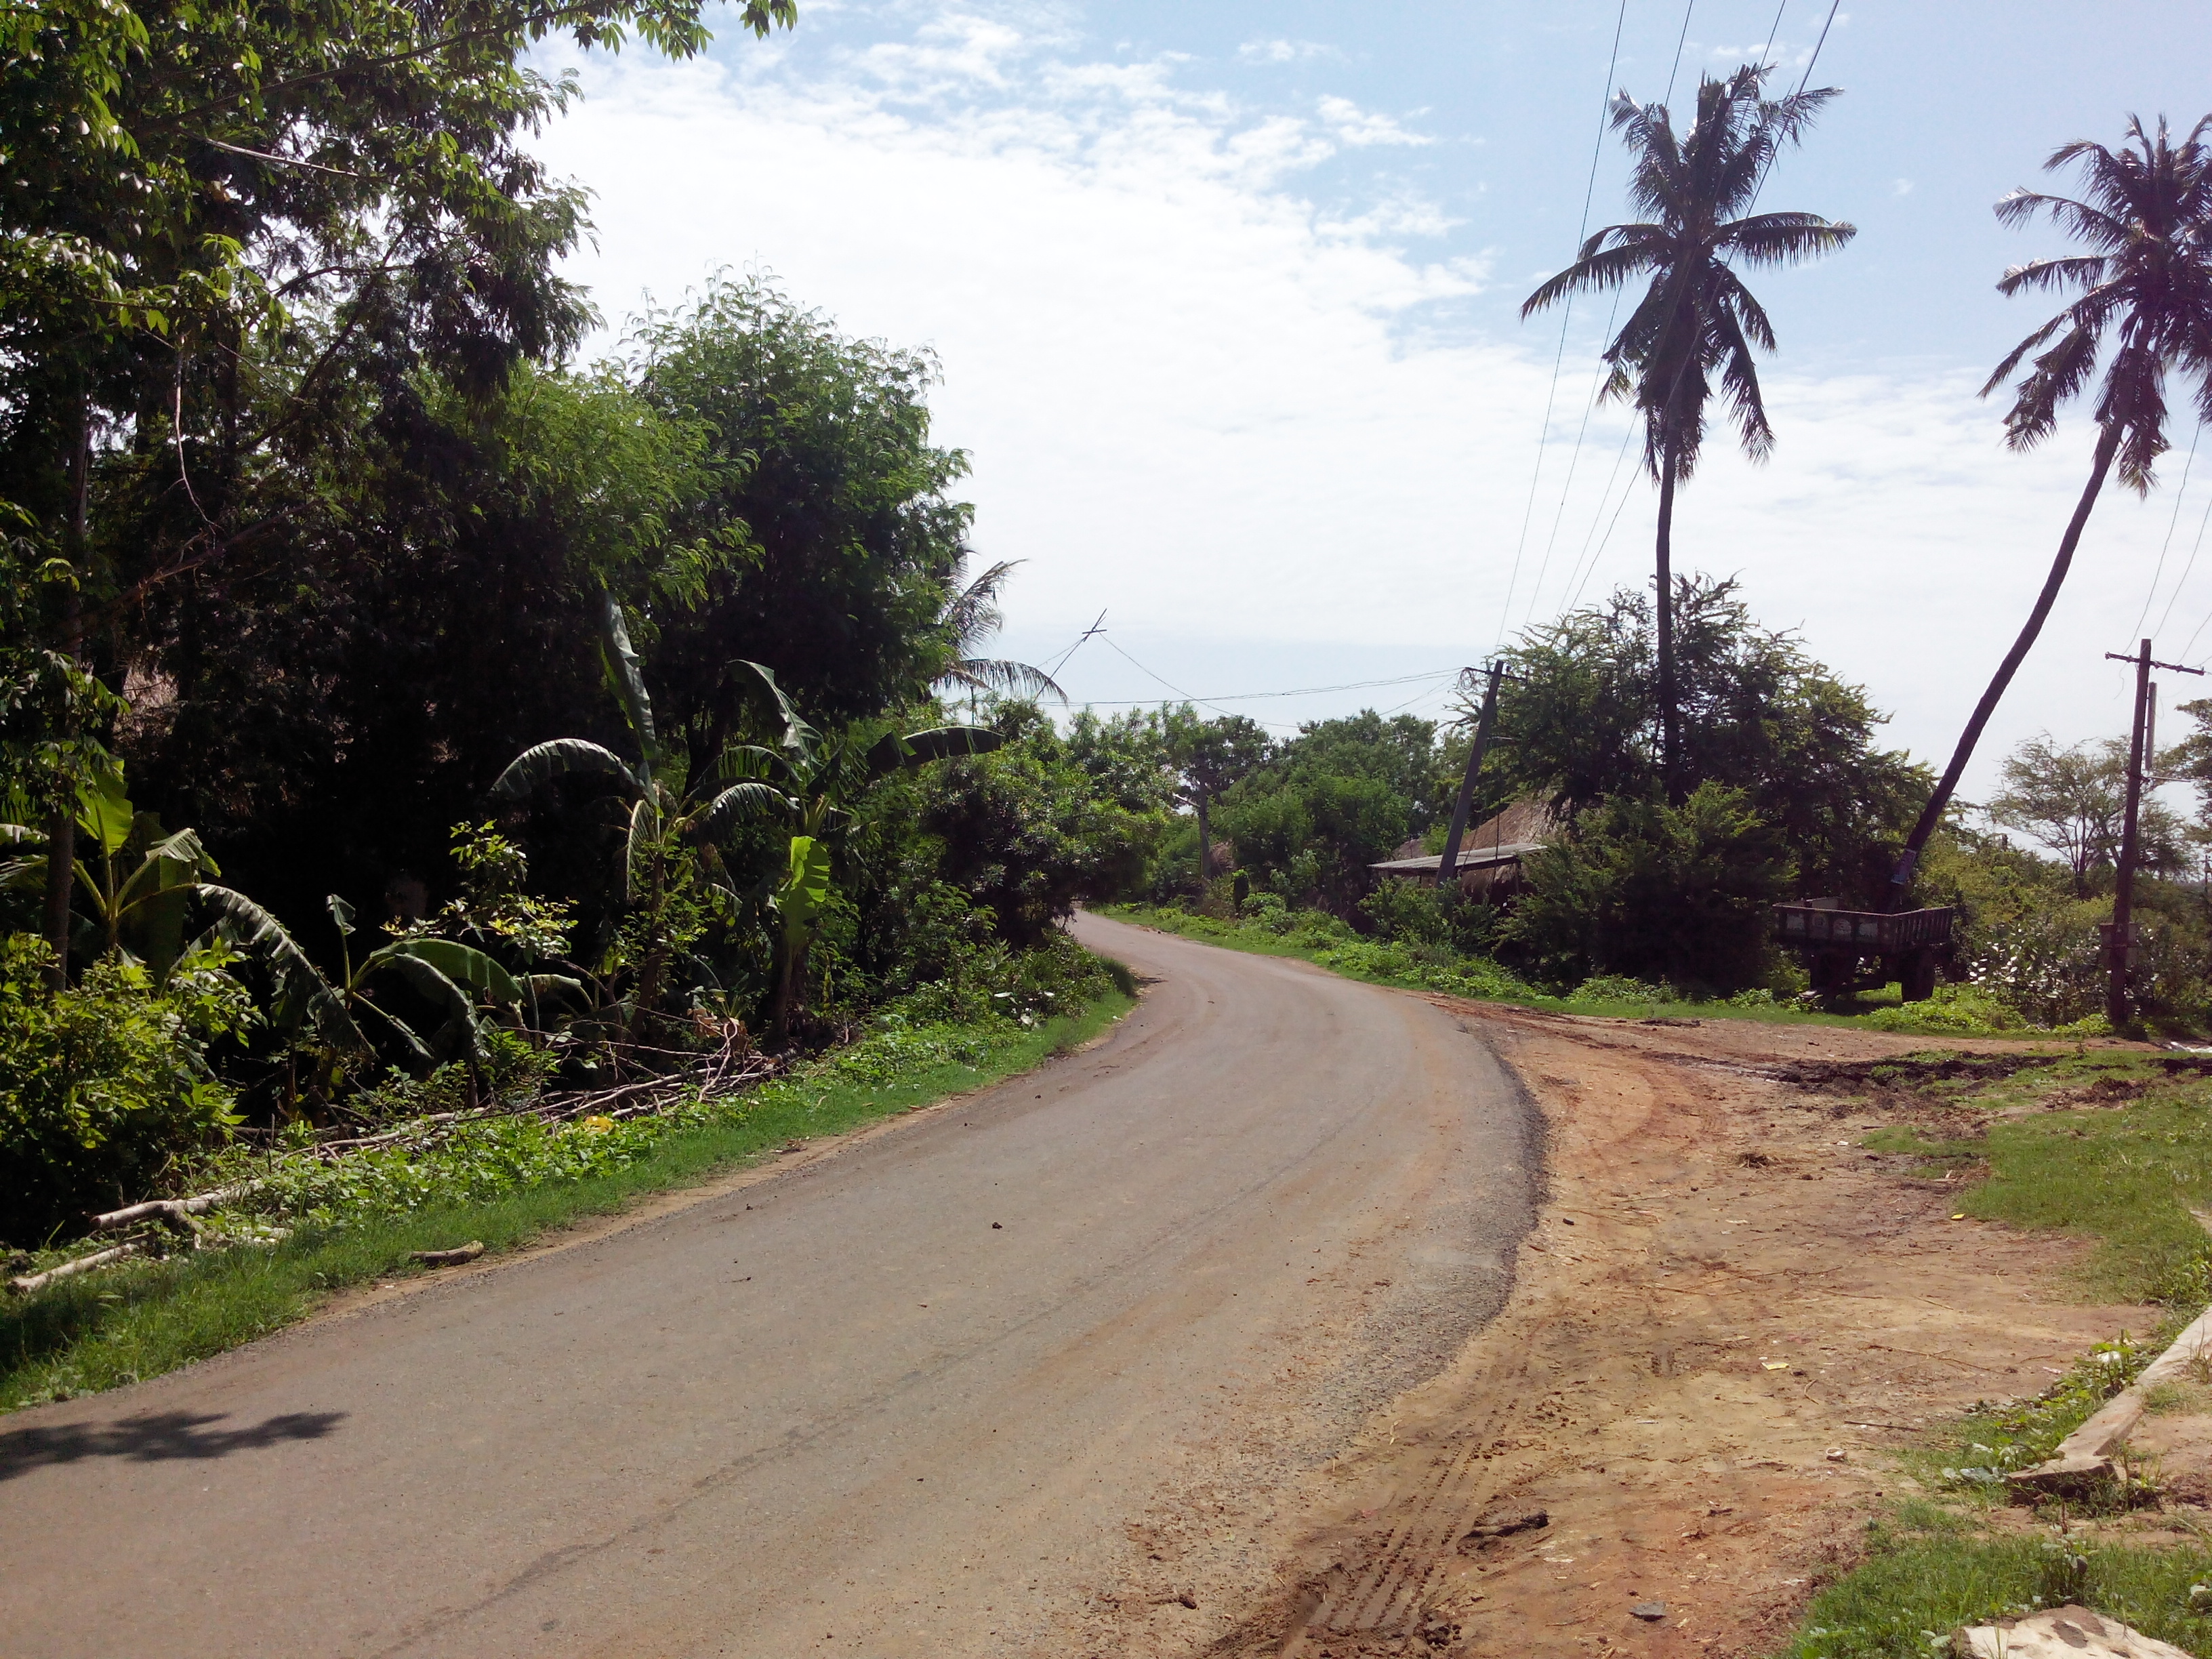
<point x="168" y="1209"/>
<point x="2067" y="1633"/>
<point x="468" y="1252"/>
<point x="2086" y="1455"/>
<point x="24" y="1283"/>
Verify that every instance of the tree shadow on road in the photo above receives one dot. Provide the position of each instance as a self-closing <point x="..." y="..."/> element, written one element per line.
<point x="155" y="1438"/>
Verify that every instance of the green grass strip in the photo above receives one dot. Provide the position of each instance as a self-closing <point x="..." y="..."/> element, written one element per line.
<point x="1929" y="1575"/>
<point x="1378" y="963"/>
<point x="133" y="1323"/>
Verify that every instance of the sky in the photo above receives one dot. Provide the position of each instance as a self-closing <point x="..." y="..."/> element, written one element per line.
<point x="1225" y="300"/>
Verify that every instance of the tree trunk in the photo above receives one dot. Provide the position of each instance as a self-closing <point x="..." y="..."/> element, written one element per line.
<point x="1204" y="841"/>
<point x="61" y="827"/>
<point x="2108" y="443"/>
<point x="1668" y="719"/>
<point x="787" y="989"/>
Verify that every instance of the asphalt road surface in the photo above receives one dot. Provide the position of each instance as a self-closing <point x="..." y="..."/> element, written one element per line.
<point x="916" y="1396"/>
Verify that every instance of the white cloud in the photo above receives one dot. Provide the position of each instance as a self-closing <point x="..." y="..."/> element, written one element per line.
<point x="1284" y="51"/>
<point x="1900" y="187"/>
<point x="1351" y="125"/>
<point x="1196" y="396"/>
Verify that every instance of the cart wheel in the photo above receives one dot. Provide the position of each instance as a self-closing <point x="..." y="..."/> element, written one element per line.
<point x="1829" y="972"/>
<point x="1917" y="980"/>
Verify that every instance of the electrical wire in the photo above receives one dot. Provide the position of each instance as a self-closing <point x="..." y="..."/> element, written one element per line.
<point x="1560" y="354"/>
<point x="2171" y="520"/>
<point x="2195" y="547"/>
<point x="1566" y="315"/>
<point x="1679" y="42"/>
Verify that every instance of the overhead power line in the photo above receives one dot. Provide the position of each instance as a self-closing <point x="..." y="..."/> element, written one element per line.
<point x="1560" y="354"/>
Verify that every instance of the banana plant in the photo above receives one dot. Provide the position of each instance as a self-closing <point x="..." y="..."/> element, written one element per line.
<point x="799" y="779"/>
<point x="454" y="977"/>
<point x="137" y="909"/>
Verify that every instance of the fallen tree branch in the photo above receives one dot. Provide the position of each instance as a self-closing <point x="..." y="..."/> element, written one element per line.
<point x="25" y="1283"/>
<point x="452" y="1258"/>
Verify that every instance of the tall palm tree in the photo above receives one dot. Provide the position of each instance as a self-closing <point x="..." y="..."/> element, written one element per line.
<point x="2146" y="211"/>
<point x="1696" y="316"/>
<point x="971" y="615"/>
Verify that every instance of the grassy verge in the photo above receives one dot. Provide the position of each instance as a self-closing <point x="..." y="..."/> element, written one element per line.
<point x="137" y="1322"/>
<point x="1328" y="943"/>
<point x="2125" y="1155"/>
<point x="1931" y="1573"/>
<point x="2124" y="1160"/>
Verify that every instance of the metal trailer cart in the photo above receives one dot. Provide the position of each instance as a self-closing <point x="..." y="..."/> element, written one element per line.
<point x="1908" y="947"/>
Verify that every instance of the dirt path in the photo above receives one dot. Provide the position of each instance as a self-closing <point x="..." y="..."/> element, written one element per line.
<point x="1022" y="1371"/>
<point x="1725" y="1315"/>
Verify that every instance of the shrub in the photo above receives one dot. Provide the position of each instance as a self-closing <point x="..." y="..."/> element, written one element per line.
<point x="102" y="1086"/>
<point x="1658" y="892"/>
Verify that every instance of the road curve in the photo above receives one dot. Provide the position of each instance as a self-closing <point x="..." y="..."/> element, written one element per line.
<point x="923" y="1396"/>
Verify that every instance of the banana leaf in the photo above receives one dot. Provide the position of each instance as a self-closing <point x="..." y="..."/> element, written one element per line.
<point x="562" y="757"/>
<point x="464" y="964"/>
<point x="891" y="753"/>
<point x="301" y="983"/>
<point x="742" y="803"/>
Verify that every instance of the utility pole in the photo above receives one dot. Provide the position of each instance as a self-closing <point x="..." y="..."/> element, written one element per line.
<point x="2120" y="939"/>
<point x="1448" y="866"/>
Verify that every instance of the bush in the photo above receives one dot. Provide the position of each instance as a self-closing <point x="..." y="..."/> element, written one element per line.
<point x="102" y="1086"/>
<point x="1025" y="834"/>
<point x="1657" y="892"/>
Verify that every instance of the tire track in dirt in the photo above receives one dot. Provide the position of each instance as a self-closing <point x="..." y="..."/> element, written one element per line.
<point x="1727" y="1318"/>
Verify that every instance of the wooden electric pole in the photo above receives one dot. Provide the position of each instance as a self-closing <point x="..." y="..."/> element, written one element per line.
<point x="1448" y="866"/>
<point x="2120" y="941"/>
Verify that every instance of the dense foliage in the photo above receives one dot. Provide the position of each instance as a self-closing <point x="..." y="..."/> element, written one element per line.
<point x="396" y="716"/>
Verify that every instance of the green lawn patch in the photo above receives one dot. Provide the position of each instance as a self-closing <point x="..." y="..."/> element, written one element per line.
<point x="137" y="1322"/>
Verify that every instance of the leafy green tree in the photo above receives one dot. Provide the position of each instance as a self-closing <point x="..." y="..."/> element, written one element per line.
<point x="2072" y="800"/>
<point x="800" y="782"/>
<point x="1576" y="723"/>
<point x="242" y="234"/>
<point x="2144" y="310"/>
<point x="1658" y="892"/>
<point x="827" y="463"/>
<point x="1027" y="832"/>
<point x="1696" y="316"/>
<point x="429" y="606"/>
<point x="1208" y="755"/>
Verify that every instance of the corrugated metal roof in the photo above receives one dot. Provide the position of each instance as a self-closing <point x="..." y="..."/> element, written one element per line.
<point x="1470" y="857"/>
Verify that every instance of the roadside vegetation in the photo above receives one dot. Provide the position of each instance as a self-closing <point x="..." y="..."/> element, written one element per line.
<point x="1633" y="904"/>
<point x="446" y="787"/>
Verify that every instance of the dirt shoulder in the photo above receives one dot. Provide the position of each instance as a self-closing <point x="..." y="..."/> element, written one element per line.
<point x="1727" y="1314"/>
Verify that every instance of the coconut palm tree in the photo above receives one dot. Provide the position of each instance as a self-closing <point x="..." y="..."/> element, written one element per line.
<point x="971" y="615"/>
<point x="2146" y="212"/>
<point x="1696" y="316"/>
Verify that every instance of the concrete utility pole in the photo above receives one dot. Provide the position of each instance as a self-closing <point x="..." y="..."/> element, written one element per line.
<point x="1448" y="866"/>
<point x="2121" y="938"/>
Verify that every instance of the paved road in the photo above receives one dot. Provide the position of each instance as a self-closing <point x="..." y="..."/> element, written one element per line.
<point x="837" y="1411"/>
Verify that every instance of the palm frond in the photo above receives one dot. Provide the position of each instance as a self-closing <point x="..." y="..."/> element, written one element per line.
<point x="1594" y="272"/>
<point x="972" y="614"/>
<point x="997" y="674"/>
<point x="2075" y="270"/>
